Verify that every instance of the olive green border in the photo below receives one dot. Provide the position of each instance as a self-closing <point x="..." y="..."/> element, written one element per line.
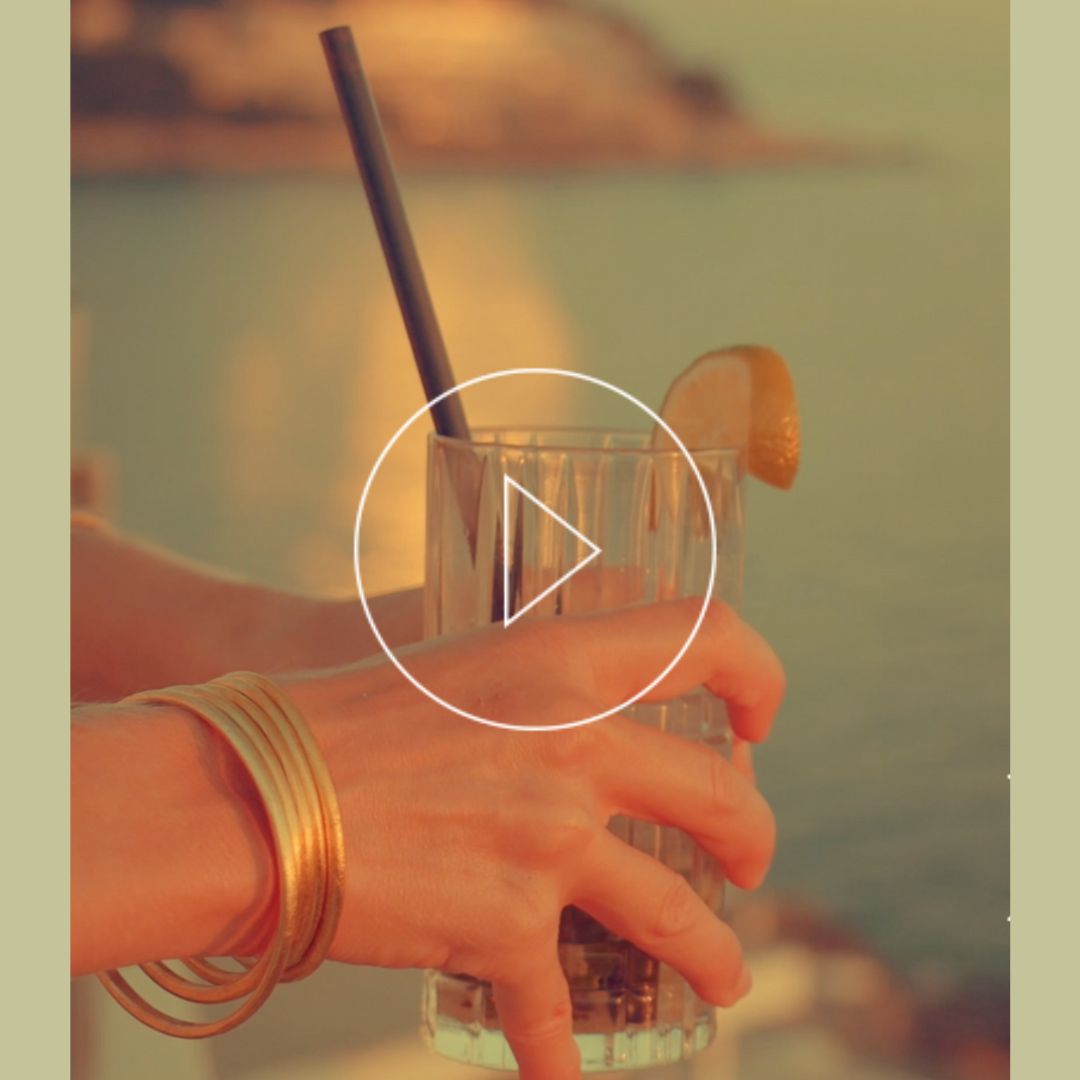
<point x="1045" y="536"/>
<point x="34" y="253"/>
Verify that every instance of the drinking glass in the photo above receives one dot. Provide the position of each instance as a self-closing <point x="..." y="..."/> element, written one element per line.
<point x="643" y="507"/>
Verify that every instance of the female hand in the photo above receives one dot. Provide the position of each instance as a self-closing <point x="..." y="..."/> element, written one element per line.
<point x="465" y="842"/>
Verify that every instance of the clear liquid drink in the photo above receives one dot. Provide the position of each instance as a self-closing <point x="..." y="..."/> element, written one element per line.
<point x="486" y="556"/>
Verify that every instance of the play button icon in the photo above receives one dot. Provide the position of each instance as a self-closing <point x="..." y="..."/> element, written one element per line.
<point x="535" y="546"/>
<point x="512" y="559"/>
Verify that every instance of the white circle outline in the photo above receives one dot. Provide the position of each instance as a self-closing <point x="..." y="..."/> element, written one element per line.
<point x="581" y="376"/>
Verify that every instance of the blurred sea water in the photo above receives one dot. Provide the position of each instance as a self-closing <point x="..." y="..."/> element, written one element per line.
<point x="246" y="364"/>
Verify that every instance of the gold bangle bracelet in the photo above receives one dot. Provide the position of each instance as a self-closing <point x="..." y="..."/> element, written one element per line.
<point x="324" y="802"/>
<point x="267" y="972"/>
<point x="229" y="985"/>
<point x="277" y="750"/>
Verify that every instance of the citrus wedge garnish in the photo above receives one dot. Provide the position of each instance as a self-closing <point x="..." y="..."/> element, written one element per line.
<point x="741" y="396"/>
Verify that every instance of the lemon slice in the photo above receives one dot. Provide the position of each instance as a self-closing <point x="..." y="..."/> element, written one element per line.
<point x="740" y="396"/>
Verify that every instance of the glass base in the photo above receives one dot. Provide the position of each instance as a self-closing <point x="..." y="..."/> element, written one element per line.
<point x="459" y="1022"/>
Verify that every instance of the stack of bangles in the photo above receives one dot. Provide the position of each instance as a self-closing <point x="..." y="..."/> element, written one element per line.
<point x="275" y="746"/>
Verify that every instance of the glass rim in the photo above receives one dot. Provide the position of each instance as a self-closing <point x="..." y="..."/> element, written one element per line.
<point x="502" y="438"/>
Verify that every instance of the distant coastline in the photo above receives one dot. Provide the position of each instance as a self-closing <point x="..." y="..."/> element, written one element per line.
<point x="124" y="146"/>
<point x="239" y="87"/>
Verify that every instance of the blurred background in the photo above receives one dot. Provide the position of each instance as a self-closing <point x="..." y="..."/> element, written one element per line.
<point x="613" y="186"/>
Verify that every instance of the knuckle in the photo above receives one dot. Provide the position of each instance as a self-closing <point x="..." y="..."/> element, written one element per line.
<point x="527" y="916"/>
<point x="678" y="910"/>
<point x="544" y="821"/>
<point x="562" y="832"/>
<point x="571" y="749"/>
<point x="571" y="828"/>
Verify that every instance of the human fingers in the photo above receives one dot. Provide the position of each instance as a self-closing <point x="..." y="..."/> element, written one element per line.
<point x="536" y="1017"/>
<point x="645" y="902"/>
<point x="656" y="776"/>
<point x="725" y="654"/>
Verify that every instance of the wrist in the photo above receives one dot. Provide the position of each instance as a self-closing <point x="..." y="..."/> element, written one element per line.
<point x="154" y="787"/>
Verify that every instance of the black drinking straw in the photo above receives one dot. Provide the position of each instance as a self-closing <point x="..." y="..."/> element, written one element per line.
<point x="377" y="171"/>
<point x="373" y="160"/>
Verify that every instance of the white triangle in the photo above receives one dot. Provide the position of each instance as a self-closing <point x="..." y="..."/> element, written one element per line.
<point x="508" y="619"/>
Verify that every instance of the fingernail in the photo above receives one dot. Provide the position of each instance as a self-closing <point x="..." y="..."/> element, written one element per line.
<point x="742" y="987"/>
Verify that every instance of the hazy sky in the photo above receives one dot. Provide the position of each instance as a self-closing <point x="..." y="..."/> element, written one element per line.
<point x="933" y="70"/>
